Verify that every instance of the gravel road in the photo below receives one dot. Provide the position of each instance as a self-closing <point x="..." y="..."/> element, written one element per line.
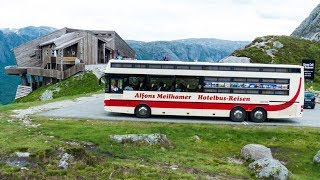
<point x="92" y="108"/>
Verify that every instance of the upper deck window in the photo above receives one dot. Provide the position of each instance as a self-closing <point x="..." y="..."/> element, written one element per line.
<point x="206" y="67"/>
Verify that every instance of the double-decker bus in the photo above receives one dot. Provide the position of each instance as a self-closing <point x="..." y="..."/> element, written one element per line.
<point x="240" y="91"/>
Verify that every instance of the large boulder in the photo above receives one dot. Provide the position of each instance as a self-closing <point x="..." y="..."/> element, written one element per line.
<point x="255" y="152"/>
<point x="268" y="168"/>
<point x="316" y="158"/>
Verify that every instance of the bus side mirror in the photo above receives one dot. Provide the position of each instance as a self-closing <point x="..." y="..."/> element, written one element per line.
<point x="100" y="79"/>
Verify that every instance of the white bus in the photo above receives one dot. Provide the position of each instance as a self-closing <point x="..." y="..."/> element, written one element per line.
<point x="236" y="90"/>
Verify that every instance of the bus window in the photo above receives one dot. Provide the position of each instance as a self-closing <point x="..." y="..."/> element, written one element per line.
<point x="135" y="82"/>
<point x="162" y="83"/>
<point x="116" y="85"/>
<point x="188" y="84"/>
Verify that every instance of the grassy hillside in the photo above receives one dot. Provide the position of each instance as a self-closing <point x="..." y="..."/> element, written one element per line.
<point x="198" y="151"/>
<point x="79" y="84"/>
<point x="294" y="50"/>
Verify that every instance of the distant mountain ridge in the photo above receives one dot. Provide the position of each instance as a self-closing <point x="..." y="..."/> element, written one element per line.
<point x="10" y="38"/>
<point x="202" y="49"/>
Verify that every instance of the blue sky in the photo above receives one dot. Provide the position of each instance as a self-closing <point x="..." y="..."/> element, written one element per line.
<point x="149" y="20"/>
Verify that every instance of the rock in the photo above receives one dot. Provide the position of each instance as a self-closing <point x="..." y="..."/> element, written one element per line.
<point x="63" y="162"/>
<point x="255" y="152"/>
<point x="174" y="167"/>
<point x="278" y="44"/>
<point x="72" y="143"/>
<point x="234" y="59"/>
<point x="234" y="160"/>
<point x="17" y="161"/>
<point x="271" y="52"/>
<point x="316" y="158"/>
<point x="96" y="69"/>
<point x="47" y="95"/>
<point x="196" y="137"/>
<point x="268" y="168"/>
<point x="147" y="138"/>
<point x="309" y="28"/>
<point x="23" y="154"/>
<point x="24" y="168"/>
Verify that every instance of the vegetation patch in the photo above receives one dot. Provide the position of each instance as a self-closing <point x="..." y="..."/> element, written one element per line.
<point x="199" y="151"/>
<point x="294" y="50"/>
<point x="80" y="84"/>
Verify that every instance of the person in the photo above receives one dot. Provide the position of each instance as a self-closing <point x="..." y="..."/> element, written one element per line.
<point x="128" y="88"/>
<point x="114" y="87"/>
<point x="166" y="58"/>
<point x="182" y="87"/>
<point x="142" y="86"/>
<point x="162" y="86"/>
<point x="173" y="87"/>
<point x="199" y="89"/>
<point x="154" y="87"/>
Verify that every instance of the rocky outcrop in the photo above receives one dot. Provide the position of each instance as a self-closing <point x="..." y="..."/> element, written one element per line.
<point x="141" y="138"/>
<point x="268" y="168"/>
<point x="309" y="28"/>
<point x="255" y="152"/>
<point x="234" y="59"/>
<point x="316" y="158"/>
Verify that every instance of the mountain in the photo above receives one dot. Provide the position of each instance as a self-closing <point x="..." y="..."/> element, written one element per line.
<point x="282" y="50"/>
<point x="202" y="49"/>
<point x="310" y="27"/>
<point x="10" y="38"/>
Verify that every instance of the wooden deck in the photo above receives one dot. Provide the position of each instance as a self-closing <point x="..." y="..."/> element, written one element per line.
<point x="13" y="70"/>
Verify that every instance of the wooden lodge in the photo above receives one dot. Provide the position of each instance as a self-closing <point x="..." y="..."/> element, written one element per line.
<point x="65" y="52"/>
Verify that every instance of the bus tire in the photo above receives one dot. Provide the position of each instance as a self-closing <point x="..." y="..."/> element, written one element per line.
<point x="258" y="115"/>
<point x="238" y="114"/>
<point x="142" y="111"/>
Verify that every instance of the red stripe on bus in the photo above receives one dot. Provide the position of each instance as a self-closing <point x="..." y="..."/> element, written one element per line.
<point x="202" y="105"/>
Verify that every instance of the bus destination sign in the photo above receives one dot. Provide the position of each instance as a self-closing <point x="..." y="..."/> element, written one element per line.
<point x="309" y="68"/>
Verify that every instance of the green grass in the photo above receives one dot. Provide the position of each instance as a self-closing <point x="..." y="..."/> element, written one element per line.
<point x="80" y="84"/>
<point x="293" y="52"/>
<point x="196" y="158"/>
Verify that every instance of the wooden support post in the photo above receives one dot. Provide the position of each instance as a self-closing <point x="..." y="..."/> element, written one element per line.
<point x="32" y="82"/>
<point x="24" y="80"/>
<point x="38" y="81"/>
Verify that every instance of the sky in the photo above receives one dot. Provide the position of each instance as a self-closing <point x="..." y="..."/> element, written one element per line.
<point x="149" y="20"/>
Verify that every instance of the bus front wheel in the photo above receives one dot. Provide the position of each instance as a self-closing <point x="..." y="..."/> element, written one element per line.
<point x="258" y="115"/>
<point x="142" y="111"/>
<point x="238" y="114"/>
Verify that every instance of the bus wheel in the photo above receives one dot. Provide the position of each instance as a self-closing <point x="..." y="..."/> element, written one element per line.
<point x="142" y="111"/>
<point x="258" y="115"/>
<point x="238" y="114"/>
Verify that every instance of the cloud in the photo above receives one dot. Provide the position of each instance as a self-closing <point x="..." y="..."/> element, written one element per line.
<point x="163" y="19"/>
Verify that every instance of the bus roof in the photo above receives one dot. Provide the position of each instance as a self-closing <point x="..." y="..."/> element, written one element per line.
<point x="205" y="63"/>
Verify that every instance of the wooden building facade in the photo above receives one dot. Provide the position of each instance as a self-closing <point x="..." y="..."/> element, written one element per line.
<point x="65" y="52"/>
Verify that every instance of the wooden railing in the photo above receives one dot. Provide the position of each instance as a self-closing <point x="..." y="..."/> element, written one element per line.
<point x="73" y="70"/>
<point x="37" y="71"/>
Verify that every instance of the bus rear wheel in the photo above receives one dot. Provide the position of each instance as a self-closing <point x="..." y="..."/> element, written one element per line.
<point x="142" y="111"/>
<point x="238" y="114"/>
<point x="258" y="115"/>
